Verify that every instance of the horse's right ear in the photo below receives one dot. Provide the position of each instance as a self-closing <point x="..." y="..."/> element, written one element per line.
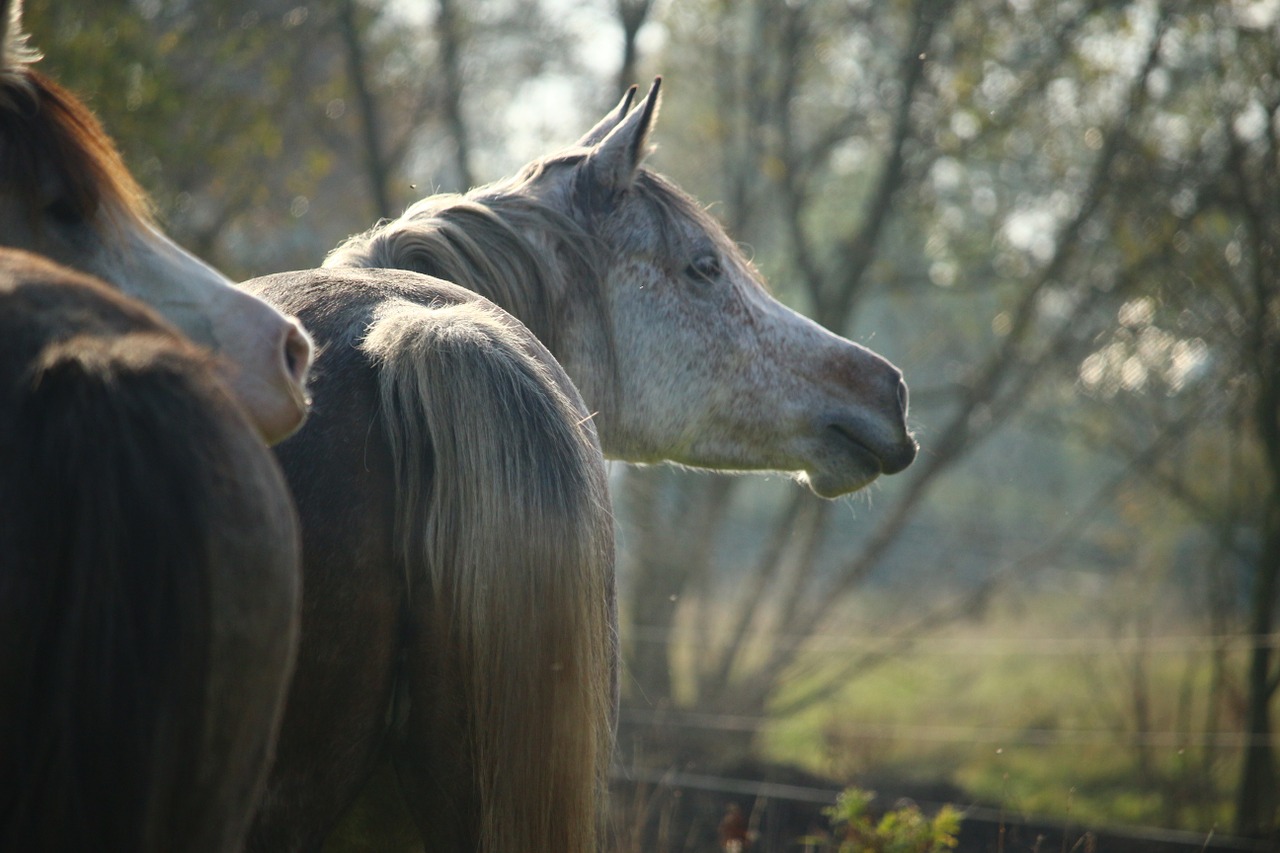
<point x="612" y="162"/>
<point x="15" y="53"/>
<point x="596" y="134"/>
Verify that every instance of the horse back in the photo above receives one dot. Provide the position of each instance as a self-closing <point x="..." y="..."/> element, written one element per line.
<point x="496" y="517"/>
<point x="353" y="602"/>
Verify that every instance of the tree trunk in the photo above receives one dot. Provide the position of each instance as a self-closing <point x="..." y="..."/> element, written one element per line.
<point x="450" y="32"/>
<point x="1258" y="799"/>
<point x="375" y="165"/>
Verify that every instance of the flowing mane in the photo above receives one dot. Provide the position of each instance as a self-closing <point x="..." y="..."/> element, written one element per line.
<point x="508" y="244"/>
<point x="43" y="126"/>
<point x="496" y="241"/>
<point x="15" y="51"/>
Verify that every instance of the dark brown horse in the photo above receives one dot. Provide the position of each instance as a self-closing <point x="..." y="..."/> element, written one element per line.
<point x="148" y="578"/>
<point x="458" y="573"/>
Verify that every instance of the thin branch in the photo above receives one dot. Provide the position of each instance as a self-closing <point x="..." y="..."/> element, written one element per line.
<point x="716" y="676"/>
<point x="632" y="15"/>
<point x="1072" y="529"/>
<point x="857" y="252"/>
<point x="961" y="435"/>
<point x="450" y="28"/>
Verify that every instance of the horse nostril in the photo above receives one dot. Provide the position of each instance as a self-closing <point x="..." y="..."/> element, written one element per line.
<point x="297" y="354"/>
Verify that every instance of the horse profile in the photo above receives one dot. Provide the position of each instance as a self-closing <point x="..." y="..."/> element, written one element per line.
<point x="65" y="193"/>
<point x="457" y="573"/>
<point x="680" y="355"/>
<point x="663" y="325"/>
<point x="148" y="578"/>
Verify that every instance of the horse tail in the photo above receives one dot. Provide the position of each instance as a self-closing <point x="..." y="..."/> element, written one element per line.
<point x="107" y="598"/>
<point x="507" y="536"/>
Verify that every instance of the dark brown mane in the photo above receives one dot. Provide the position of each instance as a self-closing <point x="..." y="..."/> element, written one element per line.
<point x="44" y="127"/>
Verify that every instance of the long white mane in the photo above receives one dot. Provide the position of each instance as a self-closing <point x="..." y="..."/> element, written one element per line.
<point x="499" y="241"/>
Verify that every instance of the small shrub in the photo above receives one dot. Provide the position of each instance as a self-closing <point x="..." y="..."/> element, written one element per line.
<point x="904" y="829"/>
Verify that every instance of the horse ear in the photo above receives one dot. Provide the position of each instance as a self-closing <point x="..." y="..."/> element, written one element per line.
<point x="15" y="53"/>
<point x="613" y="160"/>
<point x="594" y="136"/>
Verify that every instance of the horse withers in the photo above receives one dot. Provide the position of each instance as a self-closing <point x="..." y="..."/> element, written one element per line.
<point x="65" y="193"/>
<point x="148" y="578"/>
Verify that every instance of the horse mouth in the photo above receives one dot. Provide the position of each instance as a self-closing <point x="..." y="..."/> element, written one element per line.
<point x="850" y="462"/>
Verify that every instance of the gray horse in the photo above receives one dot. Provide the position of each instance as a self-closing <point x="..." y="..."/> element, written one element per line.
<point x="663" y="325"/>
<point x="680" y="354"/>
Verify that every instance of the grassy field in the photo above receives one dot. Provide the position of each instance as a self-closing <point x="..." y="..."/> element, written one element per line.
<point x="1041" y="709"/>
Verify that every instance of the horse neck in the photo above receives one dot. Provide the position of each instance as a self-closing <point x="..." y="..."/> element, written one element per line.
<point x="514" y="250"/>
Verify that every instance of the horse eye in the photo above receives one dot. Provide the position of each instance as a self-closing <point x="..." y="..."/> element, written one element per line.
<point x="706" y="267"/>
<point x="64" y="212"/>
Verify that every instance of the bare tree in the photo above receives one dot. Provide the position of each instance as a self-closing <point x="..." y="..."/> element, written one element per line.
<point x="376" y="170"/>
<point x="786" y="593"/>
<point x="450" y="28"/>
<point x="632" y="15"/>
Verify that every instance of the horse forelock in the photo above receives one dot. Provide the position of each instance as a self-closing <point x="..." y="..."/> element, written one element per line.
<point x="676" y="213"/>
<point x="45" y="130"/>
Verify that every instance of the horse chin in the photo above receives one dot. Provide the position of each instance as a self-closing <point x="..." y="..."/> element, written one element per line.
<point x="856" y="470"/>
<point x="830" y="485"/>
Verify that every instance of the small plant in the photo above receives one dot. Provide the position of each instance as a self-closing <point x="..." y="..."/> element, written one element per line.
<point x="905" y="829"/>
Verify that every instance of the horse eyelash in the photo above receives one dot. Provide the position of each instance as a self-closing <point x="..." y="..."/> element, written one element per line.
<point x="705" y="268"/>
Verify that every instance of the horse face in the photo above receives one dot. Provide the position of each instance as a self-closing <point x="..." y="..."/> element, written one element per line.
<point x="265" y="355"/>
<point x="711" y="371"/>
<point x="65" y="194"/>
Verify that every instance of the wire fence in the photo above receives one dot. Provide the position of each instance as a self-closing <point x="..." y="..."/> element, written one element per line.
<point x="992" y="735"/>
<point x="961" y="645"/>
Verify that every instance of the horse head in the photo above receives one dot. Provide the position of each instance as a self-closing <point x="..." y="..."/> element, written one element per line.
<point x="662" y="323"/>
<point x="65" y="193"/>
<point x="709" y="369"/>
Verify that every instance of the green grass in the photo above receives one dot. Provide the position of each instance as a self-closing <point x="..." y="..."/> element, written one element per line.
<point x="1029" y="726"/>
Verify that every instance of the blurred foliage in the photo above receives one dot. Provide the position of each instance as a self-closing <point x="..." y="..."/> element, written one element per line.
<point x="241" y="119"/>
<point x="902" y="829"/>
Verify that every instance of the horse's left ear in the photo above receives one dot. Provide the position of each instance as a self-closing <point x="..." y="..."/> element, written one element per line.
<point x="613" y="161"/>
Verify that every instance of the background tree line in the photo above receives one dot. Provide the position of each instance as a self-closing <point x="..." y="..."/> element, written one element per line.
<point x="1060" y="218"/>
